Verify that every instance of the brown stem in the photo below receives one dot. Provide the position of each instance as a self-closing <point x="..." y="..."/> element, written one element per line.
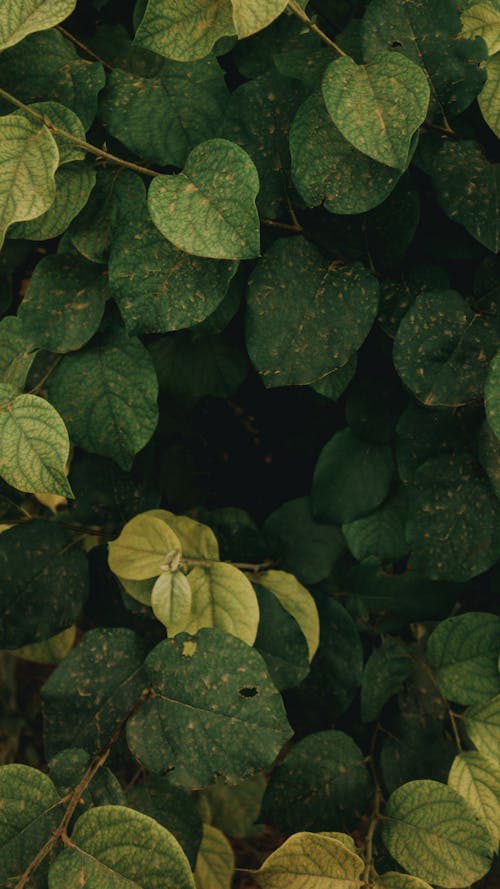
<point x="303" y="16"/>
<point x="84" y="48"/>
<point x="85" y="146"/>
<point x="370" y="871"/>
<point x="296" y="227"/>
<point x="446" y="130"/>
<point x="46" y="375"/>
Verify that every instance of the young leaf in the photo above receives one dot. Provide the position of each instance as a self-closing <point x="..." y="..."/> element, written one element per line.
<point x="385" y="671"/>
<point x="209" y="209"/>
<point x="197" y="541"/>
<point x="213" y="711"/>
<point x="297" y="601"/>
<point x="28" y="161"/>
<point x="307" y="860"/>
<point x="116" y="843"/>
<point x="142" y="547"/>
<point x="99" y="682"/>
<point x="323" y="784"/>
<point x="331" y="314"/>
<point x="173" y="808"/>
<point x="482" y="722"/>
<point x="34" y="444"/>
<point x="223" y="597"/>
<point x="429" y="35"/>
<point x="186" y="30"/>
<point x="463" y="651"/>
<point x="477" y="779"/>
<point x="351" y="478"/>
<point x="171" y="601"/>
<point x="28" y="800"/>
<point x="492" y="395"/>
<point x="443" y="348"/>
<point x="107" y="394"/>
<point x="327" y="169"/>
<point x="378" y="106"/>
<point x="476" y="207"/>
<point x="21" y="17"/>
<point x="215" y="862"/>
<point x="63" y="304"/>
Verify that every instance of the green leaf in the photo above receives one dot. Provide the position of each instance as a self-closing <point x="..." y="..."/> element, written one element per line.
<point x="296" y="342"/>
<point x="214" y="711"/>
<point x="28" y="161"/>
<point x="63" y="304"/>
<point x="254" y="15"/>
<point x="47" y="66"/>
<point x="17" y="353"/>
<point x="258" y="118"/>
<point x="28" y="800"/>
<point x="234" y="810"/>
<point x="68" y="768"/>
<point x="489" y="455"/>
<point x="57" y="115"/>
<point x="328" y="170"/>
<point x="482" y="722"/>
<point x="489" y="97"/>
<point x="187" y="30"/>
<point x="107" y="395"/>
<point x="323" y="784"/>
<point x="51" y="651"/>
<point x="223" y="597"/>
<point x="159" y="288"/>
<point x="304" y="547"/>
<point x="482" y="20"/>
<point x="429" y="36"/>
<point x="98" y="853"/>
<point x="351" y="478"/>
<point x="190" y="366"/>
<point x="74" y="183"/>
<point x="171" y="601"/>
<point x="385" y="671"/>
<point x="280" y="641"/>
<point x="463" y="651"/>
<point x="431" y="831"/>
<point x="476" y="207"/>
<point x="34" y="445"/>
<point x="215" y="862"/>
<point x="43" y="583"/>
<point x="492" y="395"/>
<point x="443" y="348"/>
<point x="380" y="534"/>
<point x="306" y="860"/>
<point x="332" y="385"/>
<point x="99" y="683"/>
<point x="477" y="779"/>
<point x="209" y="209"/>
<point x="378" y="106"/>
<point x="297" y="601"/>
<point x="142" y="547"/>
<point x="95" y="229"/>
<point x="173" y="808"/>
<point x="393" y="880"/>
<point x="453" y="520"/>
<point x="422" y="433"/>
<point x="416" y="748"/>
<point x="162" y="118"/>
<point x="20" y="17"/>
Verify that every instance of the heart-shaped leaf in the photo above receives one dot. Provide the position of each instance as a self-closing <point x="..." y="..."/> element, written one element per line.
<point x="378" y="106"/>
<point x="209" y="209"/>
<point x="21" y="17"/>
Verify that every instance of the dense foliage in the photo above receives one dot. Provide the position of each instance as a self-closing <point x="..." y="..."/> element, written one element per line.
<point x="249" y="443"/>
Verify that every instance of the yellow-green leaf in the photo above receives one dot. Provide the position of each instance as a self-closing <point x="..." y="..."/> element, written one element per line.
<point x="184" y="30"/>
<point x="297" y="601"/>
<point x="482" y="20"/>
<point x="28" y="160"/>
<point x="142" y="548"/>
<point x="308" y="861"/>
<point x="253" y="15"/>
<point x="21" y="17"/>
<point x="50" y="652"/>
<point x="223" y="597"/>
<point x="197" y="541"/>
<point x="171" y="600"/>
<point x="477" y="779"/>
<point x="215" y="862"/>
<point x="393" y="880"/>
<point x="34" y="445"/>
<point x="489" y="97"/>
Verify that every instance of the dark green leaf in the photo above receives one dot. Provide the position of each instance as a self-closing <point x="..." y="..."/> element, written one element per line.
<point x="463" y="651"/>
<point x="280" y="641"/>
<point x="171" y="807"/>
<point x="385" y="671"/>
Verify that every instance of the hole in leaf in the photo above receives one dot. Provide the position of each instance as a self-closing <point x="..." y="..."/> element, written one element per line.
<point x="396" y="43"/>
<point x="248" y="691"/>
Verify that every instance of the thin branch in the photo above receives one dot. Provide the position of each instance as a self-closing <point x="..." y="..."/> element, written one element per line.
<point x="296" y="227"/>
<point x="303" y="16"/>
<point x="446" y="130"/>
<point x="370" y="871"/>
<point x="46" y="376"/>
<point x="85" y="146"/>
<point x="84" y="48"/>
<point x="243" y="566"/>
